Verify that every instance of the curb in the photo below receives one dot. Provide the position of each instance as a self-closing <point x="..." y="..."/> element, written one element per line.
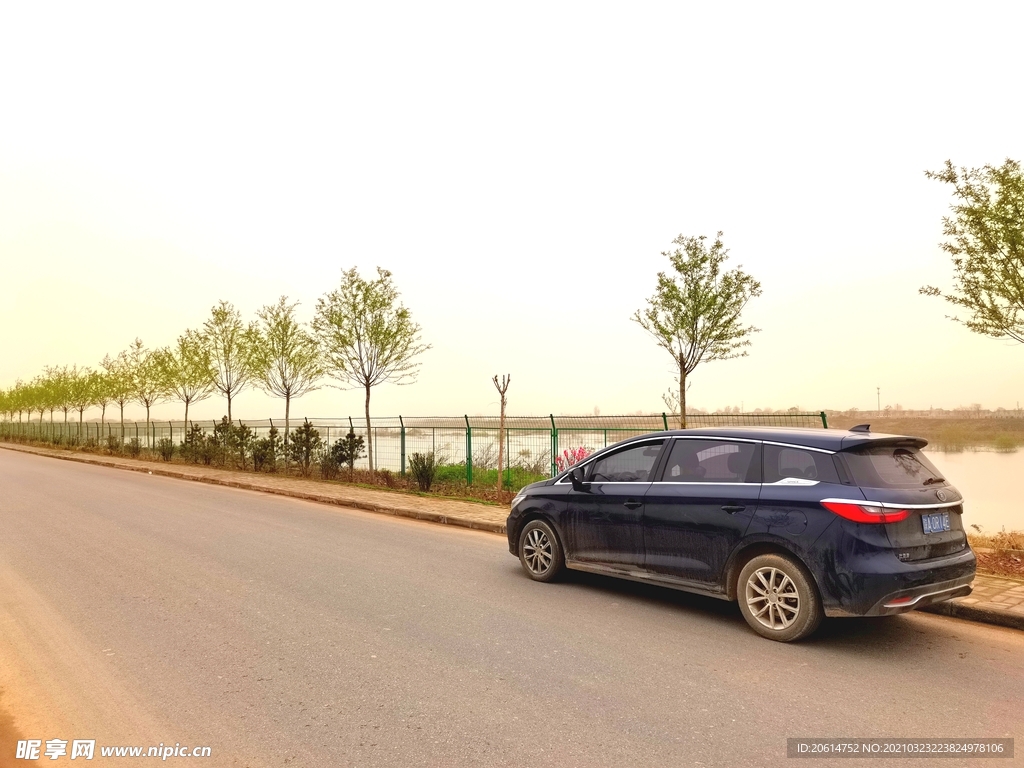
<point x="383" y="509"/>
<point x="976" y="613"/>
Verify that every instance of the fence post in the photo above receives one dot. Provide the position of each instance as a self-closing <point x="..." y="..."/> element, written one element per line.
<point x="401" y="424"/>
<point x="824" y="420"/>
<point x="136" y="431"/>
<point x="554" y="444"/>
<point x="664" y="420"/>
<point x="469" y="452"/>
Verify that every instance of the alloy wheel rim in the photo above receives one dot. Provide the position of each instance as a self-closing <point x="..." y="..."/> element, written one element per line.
<point x="537" y="551"/>
<point x="772" y="598"/>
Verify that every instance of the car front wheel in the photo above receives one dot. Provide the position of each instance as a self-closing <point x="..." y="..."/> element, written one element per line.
<point x="540" y="551"/>
<point x="778" y="599"/>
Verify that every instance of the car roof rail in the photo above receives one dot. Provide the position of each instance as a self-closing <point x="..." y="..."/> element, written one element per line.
<point x="861" y="428"/>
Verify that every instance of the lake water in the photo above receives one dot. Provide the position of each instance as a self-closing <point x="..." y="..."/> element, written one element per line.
<point x="990" y="483"/>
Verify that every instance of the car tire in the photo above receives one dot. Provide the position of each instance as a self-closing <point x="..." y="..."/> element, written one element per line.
<point x="540" y="551"/>
<point x="778" y="598"/>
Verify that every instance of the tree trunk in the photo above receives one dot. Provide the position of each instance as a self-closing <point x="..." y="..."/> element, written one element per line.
<point x="287" y="416"/>
<point x="369" y="434"/>
<point x="122" y="422"/>
<point x="148" y="444"/>
<point x="186" y="417"/>
<point x="229" y="406"/>
<point x="501" y="443"/>
<point x="682" y="397"/>
<point x="103" y="416"/>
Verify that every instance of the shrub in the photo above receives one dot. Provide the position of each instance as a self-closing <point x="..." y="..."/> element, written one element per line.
<point x="303" y="444"/>
<point x="327" y="463"/>
<point x="134" y="447"/>
<point x="114" y="445"/>
<point x="192" y="446"/>
<point x="265" y="451"/>
<point x="242" y="441"/>
<point x="423" y="469"/>
<point x="348" y="450"/>
<point x="387" y="477"/>
<point x="165" y="447"/>
<point x="1005" y="444"/>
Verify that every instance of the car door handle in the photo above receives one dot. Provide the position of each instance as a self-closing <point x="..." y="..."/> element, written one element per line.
<point x="733" y="508"/>
<point x="631" y="503"/>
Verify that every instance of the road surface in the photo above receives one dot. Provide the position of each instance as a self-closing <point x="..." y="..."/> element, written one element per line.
<point x="142" y="610"/>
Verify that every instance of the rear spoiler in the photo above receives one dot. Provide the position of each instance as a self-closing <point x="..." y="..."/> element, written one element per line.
<point x="864" y="439"/>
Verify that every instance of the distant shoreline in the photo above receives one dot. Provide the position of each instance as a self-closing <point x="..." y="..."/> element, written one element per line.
<point x="952" y="435"/>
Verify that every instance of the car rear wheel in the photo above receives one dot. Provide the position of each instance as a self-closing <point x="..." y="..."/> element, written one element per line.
<point x="778" y="598"/>
<point x="540" y="551"/>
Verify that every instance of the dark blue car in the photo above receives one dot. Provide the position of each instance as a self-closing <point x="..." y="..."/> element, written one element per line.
<point x="794" y="524"/>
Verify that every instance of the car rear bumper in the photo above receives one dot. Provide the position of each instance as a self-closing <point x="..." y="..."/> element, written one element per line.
<point x="905" y="600"/>
<point x="889" y="586"/>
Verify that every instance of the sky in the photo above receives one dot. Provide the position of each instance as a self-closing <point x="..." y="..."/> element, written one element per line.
<point x="520" y="168"/>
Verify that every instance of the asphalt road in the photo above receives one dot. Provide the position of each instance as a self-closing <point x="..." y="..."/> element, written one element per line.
<point x="137" y="610"/>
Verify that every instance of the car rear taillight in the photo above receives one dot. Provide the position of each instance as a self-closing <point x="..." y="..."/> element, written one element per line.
<point x="865" y="513"/>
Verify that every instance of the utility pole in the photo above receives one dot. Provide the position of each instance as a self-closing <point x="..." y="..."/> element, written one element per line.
<point x="878" y="391"/>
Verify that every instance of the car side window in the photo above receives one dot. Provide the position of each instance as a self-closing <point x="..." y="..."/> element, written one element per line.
<point x="711" y="461"/>
<point x="781" y="463"/>
<point x="630" y="465"/>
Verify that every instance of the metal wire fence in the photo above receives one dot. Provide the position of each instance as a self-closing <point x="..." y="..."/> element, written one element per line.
<point x="465" y="447"/>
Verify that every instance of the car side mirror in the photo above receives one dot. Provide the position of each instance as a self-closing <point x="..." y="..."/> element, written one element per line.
<point x="576" y="477"/>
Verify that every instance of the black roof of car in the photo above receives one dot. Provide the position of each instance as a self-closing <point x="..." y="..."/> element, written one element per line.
<point x="828" y="439"/>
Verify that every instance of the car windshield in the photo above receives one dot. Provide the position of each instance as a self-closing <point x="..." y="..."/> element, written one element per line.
<point x="891" y="466"/>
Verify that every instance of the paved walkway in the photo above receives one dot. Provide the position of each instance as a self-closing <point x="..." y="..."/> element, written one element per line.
<point x="995" y="600"/>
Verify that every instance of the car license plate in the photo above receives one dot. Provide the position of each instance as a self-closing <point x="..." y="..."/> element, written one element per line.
<point x="935" y="523"/>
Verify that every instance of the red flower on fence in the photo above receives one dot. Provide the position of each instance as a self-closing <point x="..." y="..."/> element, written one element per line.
<point x="570" y="457"/>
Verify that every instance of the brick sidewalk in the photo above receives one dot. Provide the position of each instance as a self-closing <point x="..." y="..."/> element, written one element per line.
<point x="995" y="600"/>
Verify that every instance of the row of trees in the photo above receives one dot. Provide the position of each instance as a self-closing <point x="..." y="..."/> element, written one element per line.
<point x="360" y="336"/>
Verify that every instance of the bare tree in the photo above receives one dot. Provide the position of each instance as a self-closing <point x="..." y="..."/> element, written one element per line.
<point x="286" y="359"/>
<point x="367" y="337"/>
<point x="187" y="369"/>
<point x="694" y="314"/>
<point x="229" y="342"/>
<point x="502" y="388"/>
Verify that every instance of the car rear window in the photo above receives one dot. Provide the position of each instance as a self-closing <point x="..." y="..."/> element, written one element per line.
<point x="782" y="463"/>
<point x="891" y="466"/>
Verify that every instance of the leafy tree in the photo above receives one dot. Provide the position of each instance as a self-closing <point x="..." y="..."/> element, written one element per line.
<point x="80" y="392"/>
<point x="41" y="398"/>
<point x="986" y="241"/>
<point x="59" y="390"/>
<point x="230" y="345"/>
<point x="285" y="358"/>
<point x="367" y="336"/>
<point x="694" y="313"/>
<point x="100" y="394"/>
<point x="119" y="381"/>
<point x="187" y="369"/>
<point x="148" y="385"/>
